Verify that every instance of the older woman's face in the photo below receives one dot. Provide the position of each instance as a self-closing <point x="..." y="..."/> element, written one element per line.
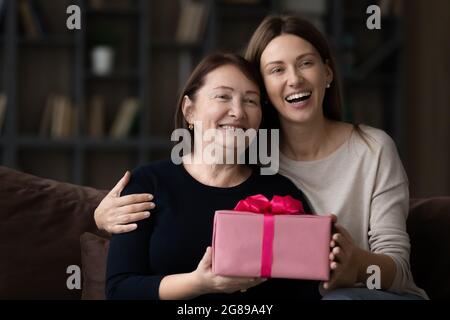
<point x="295" y="78"/>
<point x="227" y="101"/>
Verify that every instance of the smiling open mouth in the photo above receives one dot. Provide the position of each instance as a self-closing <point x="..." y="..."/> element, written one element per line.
<point x="298" y="97"/>
<point x="229" y="127"/>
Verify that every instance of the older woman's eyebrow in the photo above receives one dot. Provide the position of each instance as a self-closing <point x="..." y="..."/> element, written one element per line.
<point x="231" y="89"/>
<point x="224" y="87"/>
<point x="252" y="92"/>
<point x="298" y="58"/>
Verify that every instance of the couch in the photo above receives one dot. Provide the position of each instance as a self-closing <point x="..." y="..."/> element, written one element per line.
<point x="47" y="226"/>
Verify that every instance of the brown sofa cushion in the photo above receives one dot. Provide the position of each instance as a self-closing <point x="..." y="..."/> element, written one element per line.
<point x="41" y="224"/>
<point x="429" y="229"/>
<point x="94" y="252"/>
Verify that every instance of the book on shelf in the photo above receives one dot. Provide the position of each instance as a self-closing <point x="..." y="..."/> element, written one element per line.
<point x="192" y="21"/>
<point x="96" y="116"/>
<point x="31" y="19"/>
<point x="62" y="122"/>
<point x="46" y="118"/>
<point x="125" y="118"/>
<point x="58" y="118"/>
<point x="3" y="102"/>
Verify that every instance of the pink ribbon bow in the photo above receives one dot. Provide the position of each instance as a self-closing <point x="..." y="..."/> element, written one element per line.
<point x="278" y="205"/>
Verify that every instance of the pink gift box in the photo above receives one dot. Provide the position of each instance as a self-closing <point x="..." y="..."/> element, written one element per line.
<point x="300" y="247"/>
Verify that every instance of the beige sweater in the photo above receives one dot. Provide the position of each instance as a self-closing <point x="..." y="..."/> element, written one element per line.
<point x="367" y="188"/>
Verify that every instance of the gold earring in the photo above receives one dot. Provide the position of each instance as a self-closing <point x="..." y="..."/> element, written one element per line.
<point x="191" y="126"/>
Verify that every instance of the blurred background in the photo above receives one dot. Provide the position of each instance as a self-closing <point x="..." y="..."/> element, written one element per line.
<point x="85" y="105"/>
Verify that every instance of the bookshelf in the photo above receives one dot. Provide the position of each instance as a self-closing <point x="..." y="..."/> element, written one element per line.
<point x="58" y="61"/>
<point x="151" y="64"/>
<point x="234" y="21"/>
<point x="371" y="63"/>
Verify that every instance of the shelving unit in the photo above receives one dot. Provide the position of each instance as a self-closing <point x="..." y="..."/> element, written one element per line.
<point x="151" y="65"/>
<point x="370" y="63"/>
<point x="60" y="62"/>
<point x="234" y="22"/>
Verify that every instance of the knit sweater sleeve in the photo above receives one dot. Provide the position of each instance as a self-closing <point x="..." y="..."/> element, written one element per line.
<point x="388" y="214"/>
<point x="128" y="275"/>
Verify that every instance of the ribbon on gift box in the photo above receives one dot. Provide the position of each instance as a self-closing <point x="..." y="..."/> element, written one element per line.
<point x="278" y="205"/>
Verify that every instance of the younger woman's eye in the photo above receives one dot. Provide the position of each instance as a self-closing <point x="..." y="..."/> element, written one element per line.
<point x="306" y="63"/>
<point x="276" y="70"/>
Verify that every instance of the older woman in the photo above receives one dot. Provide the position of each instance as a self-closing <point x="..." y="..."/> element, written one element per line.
<point x="165" y="258"/>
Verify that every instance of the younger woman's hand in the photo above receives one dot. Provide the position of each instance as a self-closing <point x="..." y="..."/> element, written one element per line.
<point x="344" y="260"/>
<point x="208" y="282"/>
<point x="116" y="214"/>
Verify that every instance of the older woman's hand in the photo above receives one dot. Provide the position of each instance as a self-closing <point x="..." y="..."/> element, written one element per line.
<point x="209" y="282"/>
<point x="344" y="260"/>
<point x="116" y="214"/>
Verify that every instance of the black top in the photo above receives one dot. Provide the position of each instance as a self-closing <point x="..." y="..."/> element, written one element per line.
<point x="175" y="236"/>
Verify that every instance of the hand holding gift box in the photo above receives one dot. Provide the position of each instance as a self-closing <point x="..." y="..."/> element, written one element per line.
<point x="271" y="239"/>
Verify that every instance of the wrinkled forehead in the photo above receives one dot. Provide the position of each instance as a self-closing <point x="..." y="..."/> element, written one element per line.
<point x="230" y="76"/>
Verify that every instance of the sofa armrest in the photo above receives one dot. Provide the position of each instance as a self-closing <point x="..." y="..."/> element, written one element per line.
<point x="41" y="224"/>
<point x="428" y="226"/>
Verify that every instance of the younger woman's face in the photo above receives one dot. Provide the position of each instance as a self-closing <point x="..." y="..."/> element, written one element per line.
<point x="295" y="78"/>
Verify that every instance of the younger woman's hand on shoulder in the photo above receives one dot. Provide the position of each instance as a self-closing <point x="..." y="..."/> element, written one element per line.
<point x="116" y="214"/>
<point x="209" y="282"/>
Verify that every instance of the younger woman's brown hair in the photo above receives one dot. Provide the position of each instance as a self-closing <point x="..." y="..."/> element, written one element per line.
<point x="276" y="25"/>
